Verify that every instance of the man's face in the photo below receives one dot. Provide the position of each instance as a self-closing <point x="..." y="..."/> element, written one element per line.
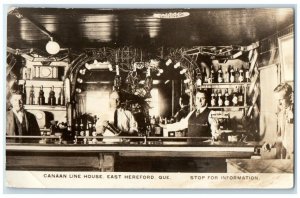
<point x="200" y="100"/>
<point x="17" y="102"/>
<point x="114" y="100"/>
<point x="282" y="100"/>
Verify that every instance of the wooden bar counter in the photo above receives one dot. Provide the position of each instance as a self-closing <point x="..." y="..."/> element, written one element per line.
<point x="115" y="156"/>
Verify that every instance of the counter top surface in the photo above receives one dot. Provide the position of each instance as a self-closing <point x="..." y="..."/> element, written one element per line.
<point x="261" y="165"/>
<point x="137" y="144"/>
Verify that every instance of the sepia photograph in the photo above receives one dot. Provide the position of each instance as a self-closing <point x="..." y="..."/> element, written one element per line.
<point x="150" y="98"/>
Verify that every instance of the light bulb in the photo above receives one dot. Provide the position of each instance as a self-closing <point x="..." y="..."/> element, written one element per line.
<point x="79" y="80"/>
<point x="186" y="81"/>
<point x="78" y="90"/>
<point x="117" y="70"/>
<point x="177" y="65"/>
<point x="52" y="47"/>
<point x="161" y="71"/>
<point x="110" y="68"/>
<point x="169" y="61"/>
<point x="158" y="74"/>
<point x="82" y="71"/>
<point x="182" y="71"/>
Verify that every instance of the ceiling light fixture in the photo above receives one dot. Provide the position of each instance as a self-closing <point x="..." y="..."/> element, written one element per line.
<point x="52" y="47"/>
<point x="171" y="15"/>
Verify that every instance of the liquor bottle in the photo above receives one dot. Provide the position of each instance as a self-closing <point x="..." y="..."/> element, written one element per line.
<point x="76" y="129"/>
<point x="226" y="77"/>
<point x="226" y="102"/>
<point x="236" y="75"/>
<point x="152" y="124"/>
<point x="212" y="74"/>
<point x="41" y="98"/>
<point x="24" y="94"/>
<point x="213" y="100"/>
<point x="235" y="97"/>
<point x="231" y="74"/>
<point x="70" y="135"/>
<point x="241" y="75"/>
<point x="205" y="77"/>
<point x="31" y="96"/>
<point x="52" y="98"/>
<point x="61" y="98"/>
<point x="247" y="75"/>
<point x="240" y="96"/>
<point x="220" y="75"/>
<point x="148" y="80"/>
<point x="87" y="131"/>
<point x="81" y="128"/>
<point x="117" y="80"/>
<point x="220" y="100"/>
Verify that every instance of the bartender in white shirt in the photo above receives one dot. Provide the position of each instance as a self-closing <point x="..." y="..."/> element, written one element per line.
<point x="198" y="122"/>
<point x="116" y="118"/>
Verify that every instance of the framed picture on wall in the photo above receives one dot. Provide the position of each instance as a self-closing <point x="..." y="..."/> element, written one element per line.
<point x="286" y="53"/>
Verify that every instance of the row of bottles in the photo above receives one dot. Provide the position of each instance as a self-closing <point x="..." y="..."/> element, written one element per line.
<point x="82" y="130"/>
<point x="41" y="97"/>
<point x="233" y="98"/>
<point x="231" y="75"/>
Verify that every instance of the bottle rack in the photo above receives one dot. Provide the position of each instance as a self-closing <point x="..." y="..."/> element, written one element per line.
<point x="238" y="88"/>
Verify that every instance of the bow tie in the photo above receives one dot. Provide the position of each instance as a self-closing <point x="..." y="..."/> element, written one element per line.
<point x="20" y="111"/>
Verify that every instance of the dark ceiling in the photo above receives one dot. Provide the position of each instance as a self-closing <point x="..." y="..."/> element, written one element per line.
<point x="89" y="28"/>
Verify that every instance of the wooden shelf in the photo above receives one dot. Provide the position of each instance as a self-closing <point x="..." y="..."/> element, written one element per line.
<point x="211" y="85"/>
<point x="45" y="83"/>
<point x="229" y="107"/>
<point x="45" y="107"/>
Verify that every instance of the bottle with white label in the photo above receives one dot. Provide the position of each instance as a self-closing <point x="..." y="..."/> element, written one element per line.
<point x="240" y="96"/>
<point x="235" y="97"/>
<point x="212" y="74"/>
<point x="220" y="100"/>
<point x="220" y="75"/>
<point x="247" y="75"/>
<point x="232" y="74"/>
<point x="241" y="75"/>
<point x="213" y="100"/>
<point x="226" y="102"/>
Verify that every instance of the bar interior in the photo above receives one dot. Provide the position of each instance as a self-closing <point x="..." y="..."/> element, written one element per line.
<point x="150" y="90"/>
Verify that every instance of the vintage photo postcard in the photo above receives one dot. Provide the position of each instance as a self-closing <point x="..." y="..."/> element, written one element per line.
<point x="150" y="98"/>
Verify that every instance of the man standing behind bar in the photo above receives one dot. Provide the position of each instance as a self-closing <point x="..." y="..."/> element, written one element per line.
<point x="197" y="122"/>
<point x="184" y="107"/>
<point x="284" y="142"/>
<point x="116" y="118"/>
<point x="19" y="121"/>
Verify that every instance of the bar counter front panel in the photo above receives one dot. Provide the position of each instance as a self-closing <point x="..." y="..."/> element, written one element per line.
<point x="168" y="156"/>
